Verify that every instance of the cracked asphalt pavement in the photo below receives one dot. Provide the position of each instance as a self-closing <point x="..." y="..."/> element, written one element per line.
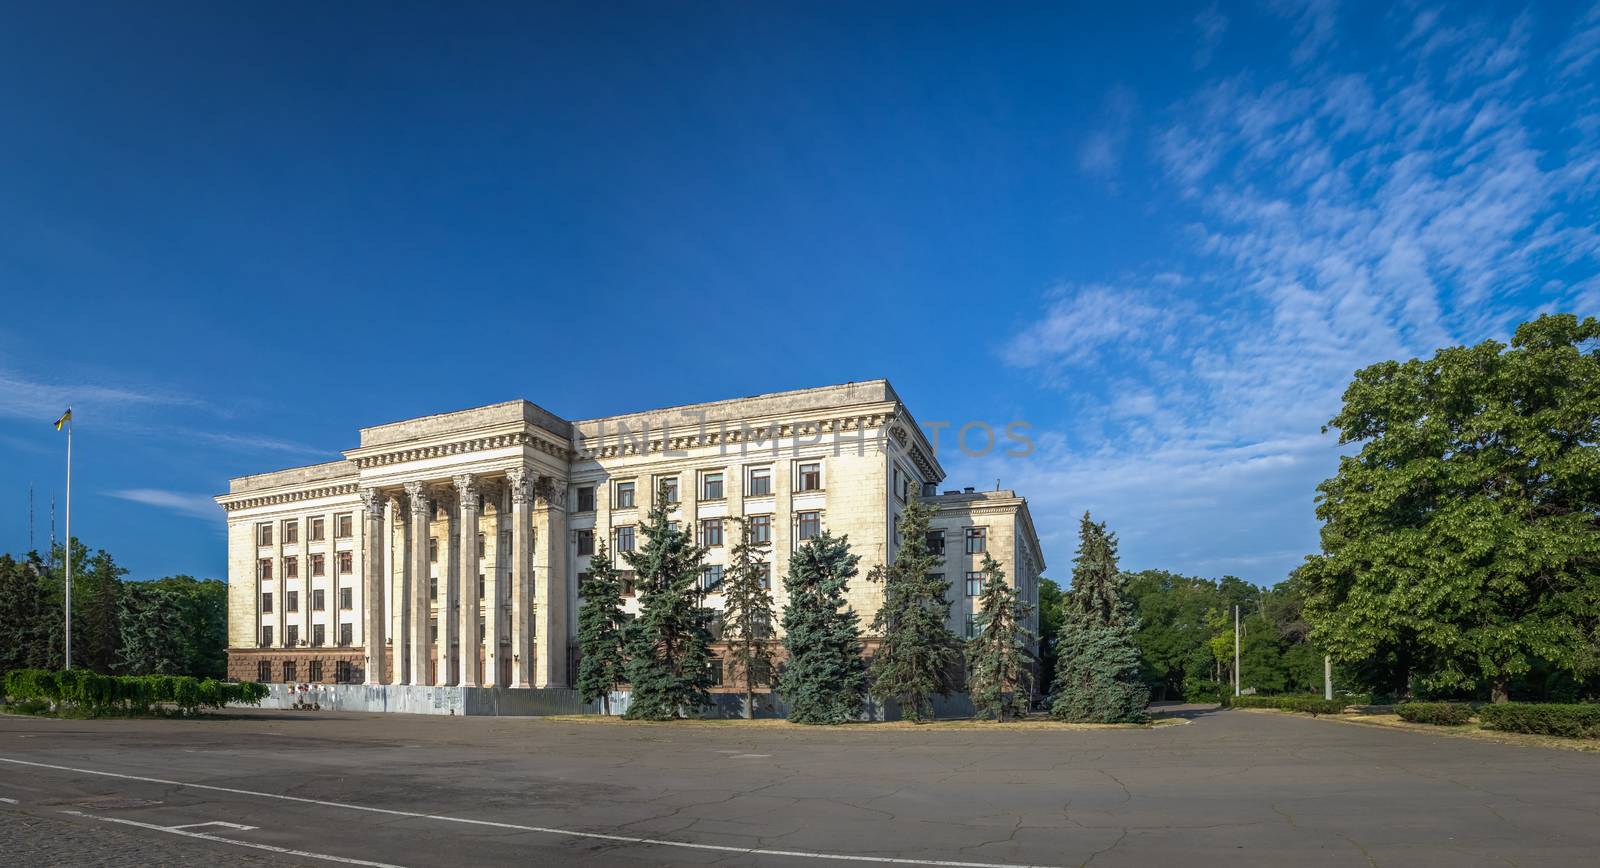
<point x="1228" y="788"/>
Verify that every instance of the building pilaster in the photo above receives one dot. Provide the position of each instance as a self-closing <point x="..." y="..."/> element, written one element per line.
<point x="521" y="618"/>
<point x="467" y="640"/>
<point x="372" y="624"/>
<point x="418" y="575"/>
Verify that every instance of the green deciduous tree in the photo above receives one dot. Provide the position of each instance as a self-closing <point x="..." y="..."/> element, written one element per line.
<point x="1459" y="545"/>
<point x="1001" y="679"/>
<point x="917" y="654"/>
<point x="1097" y="667"/>
<point x="747" y="614"/>
<point x="669" y="644"/>
<point x="601" y="627"/>
<point x="824" y="678"/>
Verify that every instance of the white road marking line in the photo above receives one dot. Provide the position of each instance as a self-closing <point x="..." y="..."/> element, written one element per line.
<point x="287" y="851"/>
<point x="600" y="836"/>
<point x="8" y="801"/>
<point x="240" y="826"/>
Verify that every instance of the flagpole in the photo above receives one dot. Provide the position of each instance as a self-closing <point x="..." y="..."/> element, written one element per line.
<point x="69" y="541"/>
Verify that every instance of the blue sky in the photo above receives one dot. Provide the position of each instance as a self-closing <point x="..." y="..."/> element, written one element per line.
<point x="230" y="236"/>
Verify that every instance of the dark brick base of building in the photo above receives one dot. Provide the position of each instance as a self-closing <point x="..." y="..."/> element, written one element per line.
<point x="298" y="665"/>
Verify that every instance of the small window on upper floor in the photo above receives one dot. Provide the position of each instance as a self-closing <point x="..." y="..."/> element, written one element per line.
<point x="622" y="496"/>
<point x="346" y="563"/>
<point x="291" y="531"/>
<point x="935" y="542"/>
<point x="711" y="532"/>
<point x="975" y="584"/>
<point x="433" y="549"/>
<point x="585" y="542"/>
<point x="264" y="533"/>
<point x="668" y="486"/>
<point x="344" y="525"/>
<point x="711" y="485"/>
<point x="623" y="538"/>
<point x="758" y="482"/>
<point x="319" y="529"/>
<point x="808" y="476"/>
<point x="347" y="598"/>
<point x="977" y="540"/>
<point x="585" y="498"/>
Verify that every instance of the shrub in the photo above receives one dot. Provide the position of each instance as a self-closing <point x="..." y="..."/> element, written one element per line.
<point x="1578" y="720"/>
<point x="1312" y="705"/>
<point x="1436" y="713"/>
<point x="93" y="694"/>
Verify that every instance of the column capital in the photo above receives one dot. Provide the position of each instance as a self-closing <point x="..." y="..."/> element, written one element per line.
<point x="419" y="502"/>
<point x="466" y="484"/>
<point x="372" y="500"/>
<point x="551" y="492"/>
<point x="517" y="477"/>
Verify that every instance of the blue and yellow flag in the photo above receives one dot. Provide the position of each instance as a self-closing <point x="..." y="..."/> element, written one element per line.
<point x="65" y="418"/>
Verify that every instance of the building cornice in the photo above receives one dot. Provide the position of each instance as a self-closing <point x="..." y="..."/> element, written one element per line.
<point x="383" y="456"/>
<point x="233" y="503"/>
<point x="615" y="444"/>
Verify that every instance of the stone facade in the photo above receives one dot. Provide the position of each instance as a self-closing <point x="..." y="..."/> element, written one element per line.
<point x="470" y="529"/>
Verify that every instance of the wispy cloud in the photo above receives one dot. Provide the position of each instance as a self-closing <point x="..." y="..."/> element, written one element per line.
<point x="1212" y="25"/>
<point x="27" y="398"/>
<point x="1346" y="216"/>
<point x="194" y="505"/>
<point x="1100" y="153"/>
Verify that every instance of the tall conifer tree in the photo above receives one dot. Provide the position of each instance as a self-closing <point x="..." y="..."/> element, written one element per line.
<point x="669" y="644"/>
<point x="917" y="653"/>
<point x="1001" y="665"/>
<point x="824" y="679"/>
<point x="601" y="627"/>
<point x="747" y="613"/>
<point x="1097" y="665"/>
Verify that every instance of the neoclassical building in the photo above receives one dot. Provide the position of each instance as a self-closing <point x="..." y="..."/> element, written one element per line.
<point x="446" y="550"/>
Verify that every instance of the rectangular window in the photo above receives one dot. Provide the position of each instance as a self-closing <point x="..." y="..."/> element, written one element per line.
<point x="433" y="631"/>
<point x="629" y="579"/>
<point x="935" y="540"/>
<point x="710" y="577"/>
<point x="288" y="672"/>
<point x="624" y="539"/>
<point x="344" y="525"/>
<point x="291" y="568"/>
<point x="291" y="635"/>
<point x="347" y="599"/>
<point x="807" y="524"/>
<point x="314" y="670"/>
<point x="761" y="673"/>
<point x="975" y="584"/>
<point x="483" y="632"/>
<point x="585" y="542"/>
<point x="760" y="528"/>
<point x="347" y="633"/>
<point x="264" y="667"/>
<point x="291" y="531"/>
<point x="264" y="533"/>
<point x="711" y="532"/>
<point x="977" y="540"/>
<point x="711" y="485"/>
<point x="714" y="666"/>
<point x="765" y="571"/>
<point x="668" y="486"/>
<point x="318" y="603"/>
<point x="291" y="601"/>
<point x="482" y="552"/>
<point x="481" y="585"/>
<point x="318" y="529"/>
<point x="622" y="497"/>
<point x="433" y="549"/>
<point x="319" y="635"/>
<point x="899" y="486"/>
<point x="433" y="587"/>
<point x="264" y="568"/>
<point x="342" y="672"/>
<point x="319" y="565"/>
<point x="808" y="476"/>
<point x="759" y="482"/>
<point x="346" y="563"/>
<point x="586" y="498"/>
<point x="894" y="533"/>
<point x="266" y="636"/>
<point x="266" y="603"/>
<point x="972" y="626"/>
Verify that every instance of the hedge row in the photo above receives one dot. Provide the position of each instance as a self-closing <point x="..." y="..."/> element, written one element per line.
<point x="104" y="694"/>
<point x="1310" y="704"/>
<point x="1579" y="720"/>
<point x="1436" y="713"/>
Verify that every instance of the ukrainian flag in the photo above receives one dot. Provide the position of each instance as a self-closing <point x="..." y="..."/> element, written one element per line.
<point x="65" y="418"/>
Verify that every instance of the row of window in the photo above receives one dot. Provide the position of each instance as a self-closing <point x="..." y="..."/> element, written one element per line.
<point x="483" y="553"/>
<point x="319" y="635"/>
<point x="343" y="671"/>
<point x="708" y="532"/>
<point x="757" y="483"/>
<point x="291" y="601"/>
<point x="319" y="566"/>
<point x="343" y="528"/>
<point x="977" y="539"/>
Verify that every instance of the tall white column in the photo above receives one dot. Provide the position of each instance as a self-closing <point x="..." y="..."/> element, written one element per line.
<point x="373" y="627"/>
<point x="550" y="583"/>
<point x="417" y="569"/>
<point x="521" y="622"/>
<point x="493" y="613"/>
<point x="467" y="550"/>
<point x="397" y="615"/>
